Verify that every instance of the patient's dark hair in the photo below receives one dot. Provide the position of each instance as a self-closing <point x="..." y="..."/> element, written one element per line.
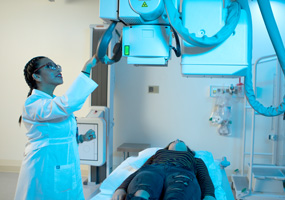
<point x="188" y="149"/>
<point x="29" y="70"/>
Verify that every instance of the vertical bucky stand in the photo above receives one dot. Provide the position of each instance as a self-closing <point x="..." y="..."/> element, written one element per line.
<point x="102" y="104"/>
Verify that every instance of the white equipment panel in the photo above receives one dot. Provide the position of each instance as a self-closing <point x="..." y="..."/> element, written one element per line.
<point x="92" y="152"/>
<point x="147" y="45"/>
<point x="229" y="59"/>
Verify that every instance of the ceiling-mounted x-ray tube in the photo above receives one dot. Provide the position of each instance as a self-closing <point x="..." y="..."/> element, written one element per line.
<point x="226" y="53"/>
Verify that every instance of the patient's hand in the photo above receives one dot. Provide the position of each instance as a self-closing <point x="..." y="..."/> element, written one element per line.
<point x="119" y="194"/>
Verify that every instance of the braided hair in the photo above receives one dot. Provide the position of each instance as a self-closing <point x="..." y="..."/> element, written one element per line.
<point x="29" y="70"/>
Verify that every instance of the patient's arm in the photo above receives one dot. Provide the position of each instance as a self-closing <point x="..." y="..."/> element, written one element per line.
<point x="204" y="179"/>
<point x="120" y="194"/>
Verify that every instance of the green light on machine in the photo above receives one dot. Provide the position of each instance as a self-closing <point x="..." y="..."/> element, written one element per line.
<point x="127" y="50"/>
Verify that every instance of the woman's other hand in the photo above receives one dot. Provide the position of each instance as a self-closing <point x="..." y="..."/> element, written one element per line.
<point x="119" y="194"/>
<point x="89" y="135"/>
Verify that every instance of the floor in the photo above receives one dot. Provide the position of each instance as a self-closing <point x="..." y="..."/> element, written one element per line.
<point x="8" y="182"/>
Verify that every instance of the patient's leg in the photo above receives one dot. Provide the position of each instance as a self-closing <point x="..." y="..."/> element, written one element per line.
<point x="142" y="193"/>
<point x="147" y="184"/>
<point x="181" y="184"/>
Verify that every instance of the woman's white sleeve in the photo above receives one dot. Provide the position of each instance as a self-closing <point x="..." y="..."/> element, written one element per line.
<point x="42" y="109"/>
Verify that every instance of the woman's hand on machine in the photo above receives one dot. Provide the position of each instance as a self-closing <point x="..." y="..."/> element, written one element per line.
<point x="119" y="194"/>
<point x="89" y="135"/>
<point x="92" y="62"/>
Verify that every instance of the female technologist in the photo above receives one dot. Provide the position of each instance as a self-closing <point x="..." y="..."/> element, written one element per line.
<point x="51" y="166"/>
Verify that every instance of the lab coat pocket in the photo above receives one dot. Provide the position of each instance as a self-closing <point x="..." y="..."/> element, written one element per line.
<point x="65" y="178"/>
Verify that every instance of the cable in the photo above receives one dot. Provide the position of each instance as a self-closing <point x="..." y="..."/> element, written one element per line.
<point x="104" y="43"/>
<point x="273" y="31"/>
<point x="224" y="33"/>
<point x="176" y="50"/>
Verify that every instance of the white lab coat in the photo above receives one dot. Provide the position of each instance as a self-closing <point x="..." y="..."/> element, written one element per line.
<point x="51" y="165"/>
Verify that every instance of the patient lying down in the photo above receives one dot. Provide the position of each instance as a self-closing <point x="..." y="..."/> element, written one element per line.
<point x="171" y="173"/>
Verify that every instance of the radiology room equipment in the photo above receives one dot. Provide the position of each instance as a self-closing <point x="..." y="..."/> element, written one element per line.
<point x="89" y="151"/>
<point x="98" y="154"/>
<point x="212" y="37"/>
<point x="95" y="153"/>
<point x="216" y="37"/>
<point x="131" y="164"/>
<point x="221" y="114"/>
<point x="264" y="178"/>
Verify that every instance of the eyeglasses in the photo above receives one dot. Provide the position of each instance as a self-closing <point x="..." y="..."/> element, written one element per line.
<point x="49" y="65"/>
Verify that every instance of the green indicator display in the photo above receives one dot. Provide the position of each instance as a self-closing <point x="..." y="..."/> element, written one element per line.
<point x="127" y="50"/>
<point x="144" y="4"/>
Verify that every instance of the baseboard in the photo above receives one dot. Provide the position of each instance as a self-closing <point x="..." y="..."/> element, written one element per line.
<point x="10" y="166"/>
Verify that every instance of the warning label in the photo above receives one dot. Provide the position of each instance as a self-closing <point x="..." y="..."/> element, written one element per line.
<point x="144" y="4"/>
